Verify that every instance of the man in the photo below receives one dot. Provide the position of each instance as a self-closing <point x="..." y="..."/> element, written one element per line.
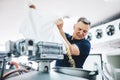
<point x="79" y="47"/>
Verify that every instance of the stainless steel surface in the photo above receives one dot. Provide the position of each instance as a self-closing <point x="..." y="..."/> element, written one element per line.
<point x="52" y="75"/>
<point x="78" y="72"/>
<point x="49" y="50"/>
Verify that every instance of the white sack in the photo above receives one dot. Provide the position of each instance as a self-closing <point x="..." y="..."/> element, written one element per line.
<point x="41" y="27"/>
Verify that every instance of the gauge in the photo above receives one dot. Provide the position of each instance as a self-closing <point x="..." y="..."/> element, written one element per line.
<point x="30" y="42"/>
<point x="99" y="33"/>
<point x="110" y="30"/>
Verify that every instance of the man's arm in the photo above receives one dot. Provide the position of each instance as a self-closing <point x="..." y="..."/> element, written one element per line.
<point x="74" y="50"/>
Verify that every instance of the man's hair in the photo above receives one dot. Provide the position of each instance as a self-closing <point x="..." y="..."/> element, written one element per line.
<point x="84" y="20"/>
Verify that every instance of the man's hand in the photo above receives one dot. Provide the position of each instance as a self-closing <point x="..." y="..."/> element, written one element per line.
<point x="59" y="23"/>
<point x="32" y="6"/>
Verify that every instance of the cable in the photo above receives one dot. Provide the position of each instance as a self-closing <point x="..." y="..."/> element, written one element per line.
<point x="15" y="64"/>
<point x="20" y="71"/>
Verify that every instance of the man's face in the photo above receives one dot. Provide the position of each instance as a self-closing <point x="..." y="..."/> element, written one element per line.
<point x="80" y="30"/>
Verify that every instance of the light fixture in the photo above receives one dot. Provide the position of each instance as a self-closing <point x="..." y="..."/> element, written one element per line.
<point x="110" y="30"/>
<point x="89" y="36"/>
<point x="99" y="33"/>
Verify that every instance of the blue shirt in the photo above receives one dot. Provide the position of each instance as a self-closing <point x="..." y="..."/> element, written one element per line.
<point x="84" y="48"/>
